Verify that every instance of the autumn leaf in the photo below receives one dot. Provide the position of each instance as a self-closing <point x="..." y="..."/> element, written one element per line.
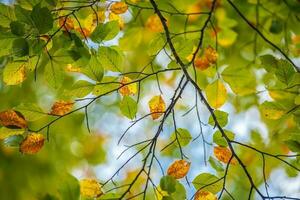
<point x="90" y="188"/>
<point x="118" y="18"/>
<point x="211" y="55"/>
<point x="32" y="144"/>
<point x="216" y="94"/>
<point x="129" y="89"/>
<point x="61" y="108"/>
<point x="224" y="154"/>
<point x="14" y="73"/>
<point x="154" y="24"/>
<point x="71" y="68"/>
<point x="66" y="22"/>
<point x="119" y="7"/>
<point x="12" y="119"/>
<point x="201" y="63"/>
<point x="204" y="195"/>
<point x="157" y="106"/>
<point x="179" y="169"/>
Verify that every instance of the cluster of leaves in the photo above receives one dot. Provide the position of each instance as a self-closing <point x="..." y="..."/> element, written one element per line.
<point x="120" y="54"/>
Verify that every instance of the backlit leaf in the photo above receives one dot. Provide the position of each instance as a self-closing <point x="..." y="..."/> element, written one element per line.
<point x="224" y="155"/>
<point x="127" y="89"/>
<point x="216" y="94"/>
<point x="90" y="188"/>
<point x="14" y="73"/>
<point x="208" y="182"/>
<point x="118" y="7"/>
<point x="179" y="169"/>
<point x="12" y="119"/>
<point x="181" y="135"/>
<point x="157" y="106"/>
<point x="61" y="108"/>
<point x="128" y="107"/>
<point x="205" y="195"/>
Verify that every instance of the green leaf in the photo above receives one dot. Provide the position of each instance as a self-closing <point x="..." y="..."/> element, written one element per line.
<point x="128" y="107"/>
<point x="20" y="47"/>
<point x="168" y="184"/>
<point x="94" y="69"/>
<point x="69" y="188"/>
<point x="80" y="89"/>
<point x="42" y="18"/>
<point x="220" y="140"/>
<point x="104" y="32"/>
<point x="294" y="142"/>
<point x="222" y="118"/>
<point x="54" y="75"/>
<point x="31" y="112"/>
<point x="215" y="164"/>
<point x="276" y="26"/>
<point x="111" y="58"/>
<point x="208" y="182"/>
<point x="183" y="136"/>
<point x="7" y="132"/>
<point x="23" y="15"/>
<point x="240" y="79"/>
<point x="17" y="28"/>
<point x="6" y="15"/>
<point x="180" y="193"/>
<point x="108" y="84"/>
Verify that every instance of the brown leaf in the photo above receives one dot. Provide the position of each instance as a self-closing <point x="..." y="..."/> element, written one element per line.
<point x="61" y="108"/>
<point x="12" y="119"/>
<point x="224" y="155"/>
<point x="32" y="144"/>
<point x="157" y="106"/>
<point x="179" y="169"/>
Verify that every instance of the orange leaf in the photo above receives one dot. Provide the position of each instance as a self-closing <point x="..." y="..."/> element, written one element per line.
<point x="224" y="154"/>
<point x="202" y="63"/>
<point x="129" y="89"/>
<point x="90" y="188"/>
<point x="119" y="7"/>
<point x="11" y="118"/>
<point x="157" y="106"/>
<point x="67" y="23"/>
<point x="154" y="24"/>
<point x="61" y="108"/>
<point x="32" y="143"/>
<point x="205" y="195"/>
<point x="211" y="54"/>
<point x="179" y="169"/>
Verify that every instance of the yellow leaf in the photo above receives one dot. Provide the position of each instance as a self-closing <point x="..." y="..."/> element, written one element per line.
<point x="154" y="24"/>
<point x="224" y="154"/>
<point x="194" y="8"/>
<point x="205" y="195"/>
<point x="11" y="118"/>
<point x="216" y="94"/>
<point x="119" y="7"/>
<point x="179" y="169"/>
<point x="90" y="188"/>
<point x="71" y="68"/>
<point x="100" y="16"/>
<point x="32" y="143"/>
<point x="61" y="108"/>
<point x="14" y="73"/>
<point x="157" y="106"/>
<point x="118" y="18"/>
<point x="129" y="89"/>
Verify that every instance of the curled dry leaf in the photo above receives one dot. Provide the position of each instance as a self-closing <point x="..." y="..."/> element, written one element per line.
<point x="205" y="195"/>
<point x="90" y="188"/>
<point x="66" y="23"/>
<point x="224" y="155"/>
<point x="179" y="169"/>
<point x="32" y="143"/>
<point x="119" y="7"/>
<point x="129" y="89"/>
<point x="157" y="106"/>
<point x="61" y="108"/>
<point x="154" y="24"/>
<point x="11" y="118"/>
